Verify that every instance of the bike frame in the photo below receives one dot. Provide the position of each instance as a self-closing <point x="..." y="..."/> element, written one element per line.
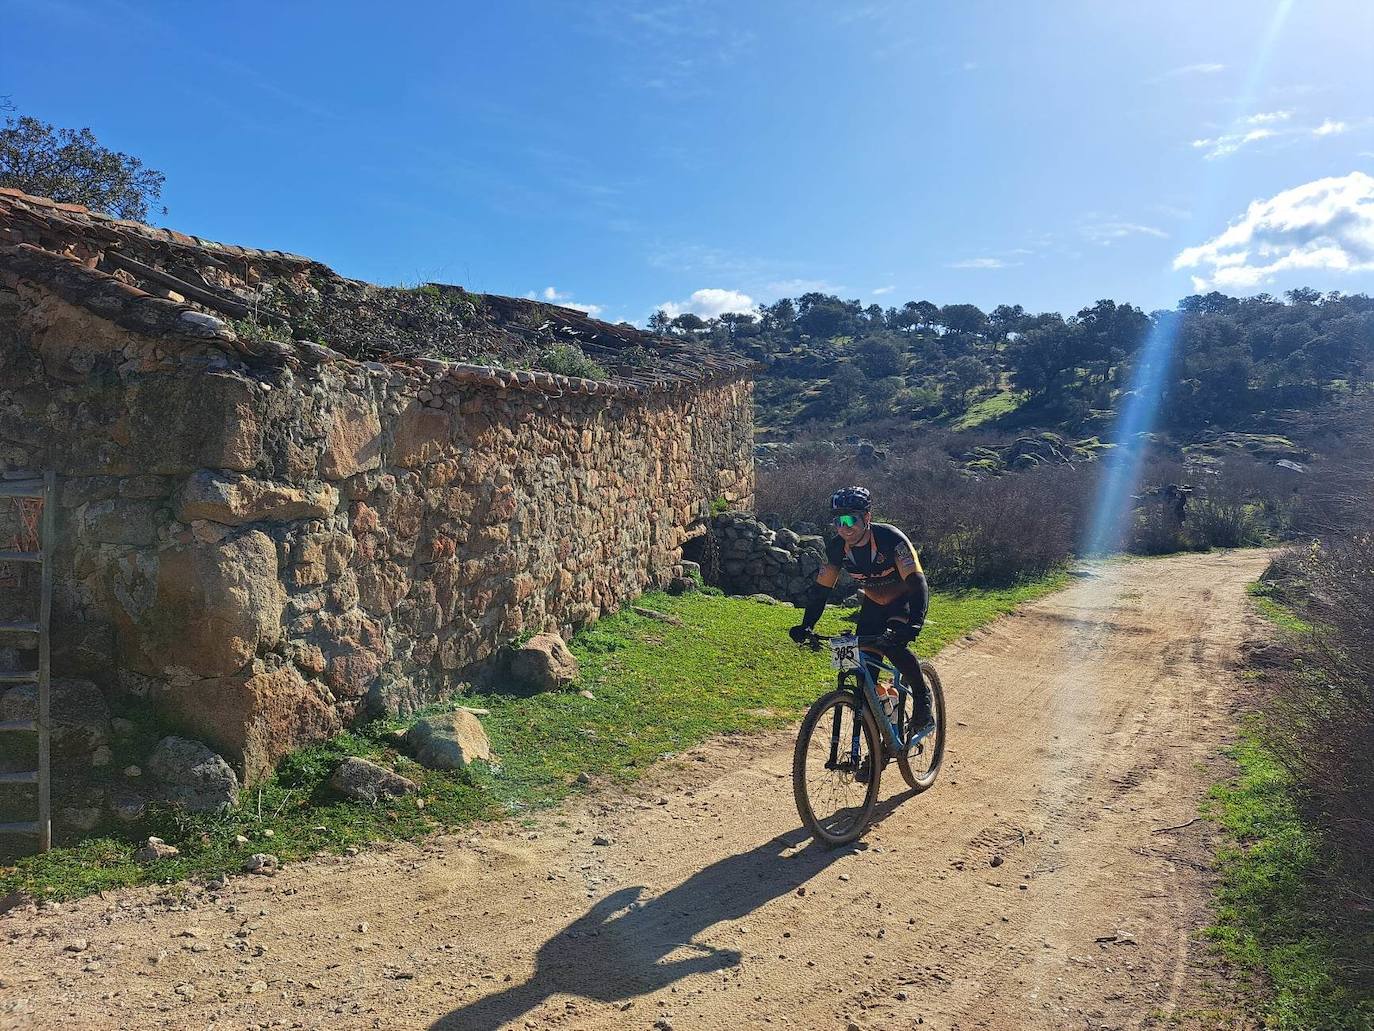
<point x="868" y="688"/>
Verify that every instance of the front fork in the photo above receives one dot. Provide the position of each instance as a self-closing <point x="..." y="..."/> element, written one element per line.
<point x="870" y="694"/>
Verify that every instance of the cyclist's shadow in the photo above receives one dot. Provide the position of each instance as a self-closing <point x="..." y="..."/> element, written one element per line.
<point x="621" y="948"/>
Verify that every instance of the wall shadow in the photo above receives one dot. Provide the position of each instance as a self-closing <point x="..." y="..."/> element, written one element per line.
<point x="621" y="948"/>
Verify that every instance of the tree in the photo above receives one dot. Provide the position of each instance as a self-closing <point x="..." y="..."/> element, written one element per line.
<point x="660" y="322"/>
<point x="71" y="167"/>
<point x="845" y="384"/>
<point x="824" y="315"/>
<point x="688" y="322"/>
<point x="964" y="319"/>
<point x="881" y="357"/>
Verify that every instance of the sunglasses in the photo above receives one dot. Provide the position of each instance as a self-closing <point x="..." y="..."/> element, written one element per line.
<point x="847" y="521"/>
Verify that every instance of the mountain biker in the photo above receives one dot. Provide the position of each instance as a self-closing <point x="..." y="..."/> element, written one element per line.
<point x="883" y="562"/>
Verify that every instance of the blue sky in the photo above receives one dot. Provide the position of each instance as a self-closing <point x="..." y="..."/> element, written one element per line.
<point x="708" y="155"/>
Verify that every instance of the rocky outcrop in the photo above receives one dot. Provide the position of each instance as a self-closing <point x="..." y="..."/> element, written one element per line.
<point x="757" y="560"/>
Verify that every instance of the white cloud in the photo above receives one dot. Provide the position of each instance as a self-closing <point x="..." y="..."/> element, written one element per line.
<point x="553" y="296"/>
<point x="1106" y="232"/>
<point x="1194" y="69"/>
<point x="978" y="263"/>
<point x="710" y="303"/>
<point x="1231" y="142"/>
<point x="1324" y="225"/>
<point x="1268" y="118"/>
<point x="1330" y="127"/>
<point x="797" y="287"/>
<point x="883" y="290"/>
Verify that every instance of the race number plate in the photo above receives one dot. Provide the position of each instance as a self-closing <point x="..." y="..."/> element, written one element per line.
<point x="844" y="652"/>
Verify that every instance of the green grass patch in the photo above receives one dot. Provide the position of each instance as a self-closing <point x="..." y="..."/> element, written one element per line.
<point x="1272" y="915"/>
<point x="714" y="665"/>
<point x="986" y="409"/>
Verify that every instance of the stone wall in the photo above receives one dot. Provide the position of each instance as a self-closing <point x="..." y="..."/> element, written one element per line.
<point x="267" y="549"/>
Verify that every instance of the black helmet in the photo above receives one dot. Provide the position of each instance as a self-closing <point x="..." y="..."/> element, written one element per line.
<point x="850" y="499"/>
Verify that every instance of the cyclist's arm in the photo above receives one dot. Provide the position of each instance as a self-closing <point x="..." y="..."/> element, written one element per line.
<point x="819" y="594"/>
<point x="914" y="584"/>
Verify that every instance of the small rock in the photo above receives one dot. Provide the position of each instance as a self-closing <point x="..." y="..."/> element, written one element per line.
<point x="239" y="839"/>
<point x="844" y="876"/>
<point x="449" y="741"/>
<point x="545" y="663"/>
<point x="584" y="693"/>
<point x="996" y="861"/>
<point x="132" y="771"/>
<point x="601" y="839"/>
<point x="79" y="945"/>
<point x="102" y="756"/>
<point x="801" y="890"/>
<point x="663" y="1025"/>
<point x="365" y="781"/>
<point x="269" y="833"/>
<point x="263" y="863"/>
<point x="362" y="927"/>
<point x="257" y="988"/>
<point x="155" y="849"/>
<point x="584" y="778"/>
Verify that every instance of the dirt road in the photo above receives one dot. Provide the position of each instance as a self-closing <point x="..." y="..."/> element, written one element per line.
<point x="1079" y="726"/>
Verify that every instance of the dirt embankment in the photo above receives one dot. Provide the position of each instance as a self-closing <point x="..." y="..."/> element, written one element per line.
<point x="1080" y="728"/>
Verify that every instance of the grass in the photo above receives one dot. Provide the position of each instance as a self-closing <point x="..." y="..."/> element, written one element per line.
<point x="1270" y="912"/>
<point x="715" y="665"/>
<point x="987" y="409"/>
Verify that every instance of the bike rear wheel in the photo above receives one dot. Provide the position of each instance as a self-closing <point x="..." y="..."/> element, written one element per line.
<point x="836" y="767"/>
<point x="920" y="765"/>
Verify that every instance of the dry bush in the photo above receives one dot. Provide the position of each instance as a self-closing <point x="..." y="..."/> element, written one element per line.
<point x="1321" y="725"/>
<point x="1219" y="521"/>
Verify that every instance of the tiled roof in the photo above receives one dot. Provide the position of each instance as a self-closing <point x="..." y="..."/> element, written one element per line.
<point x="142" y="278"/>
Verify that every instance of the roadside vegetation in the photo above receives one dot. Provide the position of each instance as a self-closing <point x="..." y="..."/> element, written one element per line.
<point x="702" y="664"/>
<point x="1295" y="910"/>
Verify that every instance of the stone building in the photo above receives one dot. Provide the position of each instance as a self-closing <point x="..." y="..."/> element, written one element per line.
<point x="286" y="497"/>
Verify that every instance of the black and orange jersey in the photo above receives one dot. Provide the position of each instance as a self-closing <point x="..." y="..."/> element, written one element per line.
<point x="878" y="566"/>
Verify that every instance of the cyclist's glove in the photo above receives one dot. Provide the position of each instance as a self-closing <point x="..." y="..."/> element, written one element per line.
<point x="799" y="633"/>
<point x="898" y="634"/>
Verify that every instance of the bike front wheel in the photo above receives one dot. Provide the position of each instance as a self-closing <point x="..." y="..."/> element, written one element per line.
<point x="836" y="767"/>
<point x="920" y="764"/>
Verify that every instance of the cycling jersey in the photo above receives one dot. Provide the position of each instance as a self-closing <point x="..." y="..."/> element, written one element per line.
<point x="878" y="566"/>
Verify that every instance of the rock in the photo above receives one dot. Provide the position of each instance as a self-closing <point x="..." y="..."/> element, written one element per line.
<point x="257" y="988"/>
<point x="544" y="663"/>
<point x="601" y="839"/>
<point x="765" y="599"/>
<point x="202" y="608"/>
<point x="232" y="499"/>
<point x="448" y="742"/>
<point x="127" y="805"/>
<point x="365" y="781"/>
<point x="995" y="861"/>
<point x="133" y="771"/>
<point x="584" y="779"/>
<point x="80" y="717"/>
<point x="679" y="585"/>
<point x="263" y="863"/>
<point x="155" y="849"/>
<point x="190" y="775"/>
<point x="80" y="818"/>
<point x="691" y="570"/>
<point x="79" y="945"/>
<point x="102" y="756"/>
<point x="239" y="839"/>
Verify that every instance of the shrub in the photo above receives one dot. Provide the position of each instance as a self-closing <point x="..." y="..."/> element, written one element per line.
<point x="569" y="360"/>
<point x="1214" y="522"/>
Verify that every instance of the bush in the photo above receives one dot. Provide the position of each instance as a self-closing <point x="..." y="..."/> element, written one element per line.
<point x="569" y="360"/>
<point x="1222" y="523"/>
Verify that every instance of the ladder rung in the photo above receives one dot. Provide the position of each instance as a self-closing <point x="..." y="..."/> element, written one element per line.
<point x="18" y="725"/>
<point x="19" y="828"/>
<point x="18" y="628"/>
<point x="22" y="489"/>
<point x="27" y="777"/>
<point x="21" y="556"/>
<point x="26" y="676"/>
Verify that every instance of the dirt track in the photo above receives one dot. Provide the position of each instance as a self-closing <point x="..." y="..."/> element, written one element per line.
<point x="1078" y="727"/>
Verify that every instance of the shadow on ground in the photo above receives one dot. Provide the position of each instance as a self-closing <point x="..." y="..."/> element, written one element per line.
<point x="622" y="948"/>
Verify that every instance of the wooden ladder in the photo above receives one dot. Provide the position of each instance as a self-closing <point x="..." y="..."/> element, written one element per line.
<point x="44" y="489"/>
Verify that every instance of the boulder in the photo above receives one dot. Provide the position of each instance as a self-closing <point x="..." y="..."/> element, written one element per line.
<point x="191" y="776"/>
<point x="545" y="664"/>
<point x="681" y="585"/>
<point x="80" y="717"/>
<point x="449" y="741"/>
<point x="365" y="781"/>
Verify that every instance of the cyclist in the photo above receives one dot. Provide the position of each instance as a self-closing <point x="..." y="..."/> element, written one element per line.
<point x="882" y="561"/>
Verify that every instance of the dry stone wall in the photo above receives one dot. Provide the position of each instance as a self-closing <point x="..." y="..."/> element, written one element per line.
<point x="266" y="550"/>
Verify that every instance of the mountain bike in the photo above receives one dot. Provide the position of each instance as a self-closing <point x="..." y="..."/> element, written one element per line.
<point x="847" y="738"/>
